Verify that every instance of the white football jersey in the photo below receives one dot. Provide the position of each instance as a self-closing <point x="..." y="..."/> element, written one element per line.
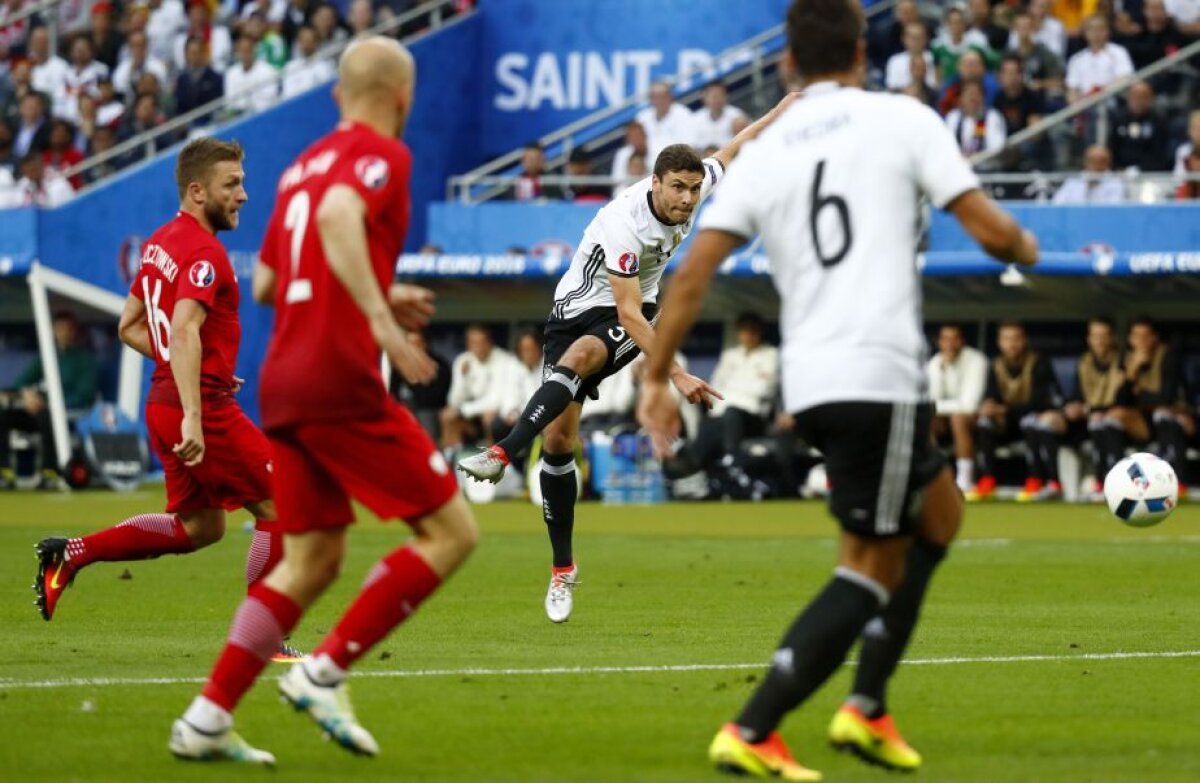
<point x="834" y="186"/>
<point x="625" y="239"/>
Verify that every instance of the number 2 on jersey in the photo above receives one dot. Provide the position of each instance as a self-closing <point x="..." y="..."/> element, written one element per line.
<point x="295" y="219"/>
<point x="836" y="203"/>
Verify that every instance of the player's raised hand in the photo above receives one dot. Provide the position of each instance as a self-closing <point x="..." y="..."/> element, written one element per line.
<point x="695" y="390"/>
<point x="411" y="304"/>
<point x="190" y="447"/>
<point x="658" y="413"/>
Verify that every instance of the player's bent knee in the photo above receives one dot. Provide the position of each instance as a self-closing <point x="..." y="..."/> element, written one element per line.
<point x="941" y="511"/>
<point x="205" y="527"/>
<point x="585" y="356"/>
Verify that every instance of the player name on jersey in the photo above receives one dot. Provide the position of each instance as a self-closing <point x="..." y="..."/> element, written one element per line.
<point x="155" y="256"/>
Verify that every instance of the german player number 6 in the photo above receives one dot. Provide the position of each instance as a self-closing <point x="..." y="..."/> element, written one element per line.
<point x="296" y="221"/>
<point x="838" y="204"/>
<point x="156" y="319"/>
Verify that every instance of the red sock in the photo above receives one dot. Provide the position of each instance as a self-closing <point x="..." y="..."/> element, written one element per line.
<point x="266" y="550"/>
<point x="393" y="590"/>
<point x="137" y="538"/>
<point x="260" y="624"/>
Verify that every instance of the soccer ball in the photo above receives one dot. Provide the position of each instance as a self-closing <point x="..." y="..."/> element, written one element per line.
<point x="1141" y="490"/>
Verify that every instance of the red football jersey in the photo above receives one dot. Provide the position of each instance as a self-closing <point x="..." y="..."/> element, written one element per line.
<point x="181" y="260"/>
<point x="322" y="362"/>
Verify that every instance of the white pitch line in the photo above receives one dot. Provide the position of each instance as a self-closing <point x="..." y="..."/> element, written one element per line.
<point x="561" y="670"/>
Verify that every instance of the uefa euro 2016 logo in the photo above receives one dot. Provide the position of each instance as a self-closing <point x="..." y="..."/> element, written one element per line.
<point x="202" y="274"/>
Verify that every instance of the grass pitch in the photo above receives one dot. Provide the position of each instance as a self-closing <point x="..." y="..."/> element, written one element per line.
<point x="479" y="685"/>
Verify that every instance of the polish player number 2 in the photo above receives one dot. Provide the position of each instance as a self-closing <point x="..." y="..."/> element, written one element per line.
<point x="295" y="219"/>
<point x="157" y="320"/>
<point x="821" y="203"/>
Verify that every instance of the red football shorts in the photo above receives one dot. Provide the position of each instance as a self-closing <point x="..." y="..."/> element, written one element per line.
<point x="236" y="469"/>
<point x="388" y="464"/>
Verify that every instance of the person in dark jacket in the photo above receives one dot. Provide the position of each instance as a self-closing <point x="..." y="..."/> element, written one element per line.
<point x="197" y="84"/>
<point x="425" y="400"/>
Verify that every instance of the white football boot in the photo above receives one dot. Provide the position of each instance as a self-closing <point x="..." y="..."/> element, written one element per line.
<point x="559" y="597"/>
<point x="191" y="744"/>
<point x="329" y="706"/>
<point x="486" y="465"/>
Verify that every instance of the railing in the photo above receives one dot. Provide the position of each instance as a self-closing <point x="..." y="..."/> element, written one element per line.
<point x="1140" y="187"/>
<point x="1099" y="98"/>
<point x="754" y="49"/>
<point x="176" y="126"/>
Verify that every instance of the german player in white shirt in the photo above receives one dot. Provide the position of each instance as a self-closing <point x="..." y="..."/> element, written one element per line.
<point x="957" y="380"/>
<point x="837" y="208"/>
<point x="602" y="319"/>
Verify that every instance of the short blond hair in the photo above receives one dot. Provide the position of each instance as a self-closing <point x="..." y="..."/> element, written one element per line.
<point x="197" y="158"/>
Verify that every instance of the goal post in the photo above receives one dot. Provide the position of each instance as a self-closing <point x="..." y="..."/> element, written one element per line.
<point x="44" y="281"/>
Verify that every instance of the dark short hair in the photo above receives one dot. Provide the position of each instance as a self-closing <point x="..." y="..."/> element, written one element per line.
<point x="748" y="320"/>
<point x="955" y="326"/>
<point x="533" y="332"/>
<point x="65" y="315"/>
<point x="677" y="157"/>
<point x="1010" y="324"/>
<point x="579" y="155"/>
<point x="198" y="157"/>
<point x="823" y="35"/>
<point x="535" y="145"/>
<point x="1103" y="319"/>
<point x="1013" y="58"/>
<point x="1146" y="321"/>
<point x="480" y="327"/>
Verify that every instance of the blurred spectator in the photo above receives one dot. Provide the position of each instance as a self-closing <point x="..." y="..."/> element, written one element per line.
<point x="79" y="375"/>
<point x="13" y="34"/>
<point x="1154" y="391"/>
<point x="328" y="26"/>
<point x="146" y="116"/>
<point x="305" y="71"/>
<point x="1022" y="399"/>
<point x="19" y="84"/>
<point x="361" y="17"/>
<point x="106" y="39"/>
<point x="295" y="16"/>
<point x="103" y="139"/>
<point x="477" y="389"/>
<point x="634" y="171"/>
<point x="6" y="149"/>
<point x="579" y="165"/>
<point x="977" y="127"/>
<point x="425" y="400"/>
<point x="971" y="70"/>
<point x="665" y="121"/>
<point x="1074" y="14"/>
<point x="898" y="75"/>
<point x="527" y="186"/>
<point x="713" y="122"/>
<point x="1097" y="184"/>
<point x="39" y="187"/>
<point x="136" y="61"/>
<point x="957" y="378"/>
<point x="635" y="143"/>
<point x="889" y="39"/>
<point x="1047" y="30"/>
<point x="1139" y="134"/>
<point x="1098" y="382"/>
<point x="1043" y="68"/>
<point x="197" y="84"/>
<point x="49" y="70"/>
<point x="952" y="42"/>
<point x="1189" y="189"/>
<point x="1157" y="37"/>
<point x="1183" y="151"/>
<point x="82" y="77"/>
<point x="62" y="154"/>
<point x="149" y="84"/>
<point x="217" y="43"/>
<point x="250" y="82"/>
<point x="166" y="20"/>
<point x="1186" y="14"/>
<point x="33" y="127"/>
<point x="525" y="379"/>
<point x="748" y="375"/>
<point x="109" y="108"/>
<point x="1020" y="105"/>
<point x="73" y="16"/>
<point x="272" y="49"/>
<point x="618" y="393"/>
<point x="982" y="23"/>
<point x="1099" y="64"/>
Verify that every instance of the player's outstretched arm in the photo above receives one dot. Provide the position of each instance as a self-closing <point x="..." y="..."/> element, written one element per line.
<point x="341" y="224"/>
<point x="262" y="284"/>
<point x="996" y="231"/>
<point x="186" y="352"/>
<point x="657" y="411"/>
<point x="730" y="150"/>
<point x="134" y="329"/>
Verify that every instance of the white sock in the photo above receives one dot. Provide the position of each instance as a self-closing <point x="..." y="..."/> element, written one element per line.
<point x="208" y="716"/>
<point x="323" y="670"/>
<point x="966" y="471"/>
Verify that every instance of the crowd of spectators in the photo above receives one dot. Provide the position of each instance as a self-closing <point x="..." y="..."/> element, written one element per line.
<point x="992" y="68"/>
<point x="122" y="67"/>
